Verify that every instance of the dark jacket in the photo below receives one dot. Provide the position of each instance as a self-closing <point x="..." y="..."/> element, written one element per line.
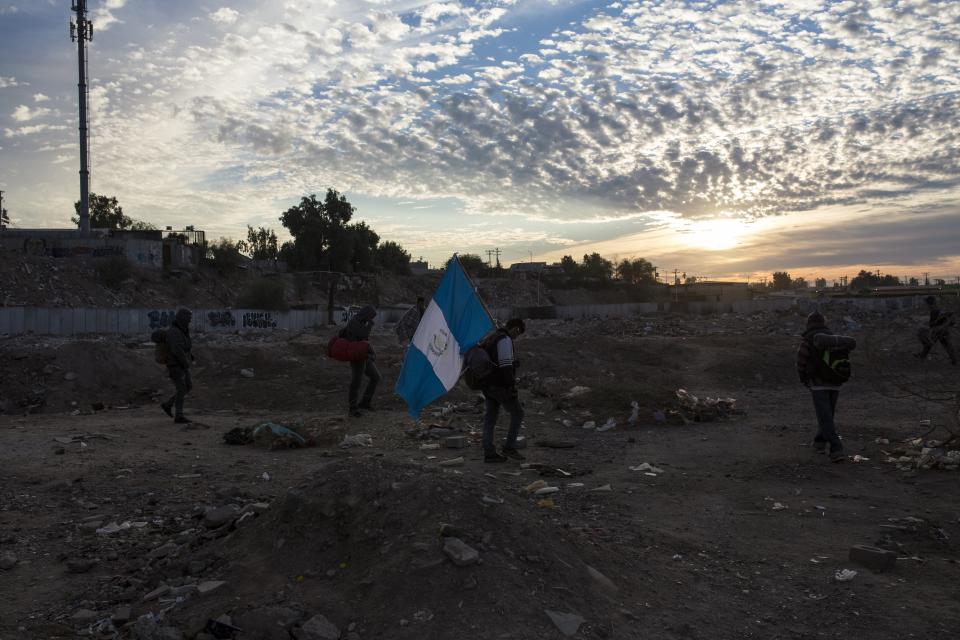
<point x="179" y="346"/>
<point x="939" y="318"/>
<point x="816" y="340"/>
<point x="359" y="326"/>
<point x="502" y="354"/>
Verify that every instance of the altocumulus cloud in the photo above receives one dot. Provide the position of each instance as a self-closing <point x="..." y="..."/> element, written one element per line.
<point x="694" y="108"/>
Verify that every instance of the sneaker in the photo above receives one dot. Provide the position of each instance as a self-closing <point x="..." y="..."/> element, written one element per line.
<point x="837" y="456"/>
<point x="512" y="453"/>
<point x="182" y="420"/>
<point x="819" y="446"/>
<point x="167" y="409"/>
<point x="354" y="413"/>
<point x="493" y="456"/>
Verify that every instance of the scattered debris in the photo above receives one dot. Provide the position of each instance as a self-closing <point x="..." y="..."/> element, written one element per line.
<point x="845" y="575"/>
<point x="357" y="440"/>
<point x="567" y="623"/>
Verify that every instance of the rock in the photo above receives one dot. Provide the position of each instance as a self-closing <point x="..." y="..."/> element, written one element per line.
<point x="246" y="373"/>
<point x="121" y="615"/>
<point x="80" y="565"/>
<point x="269" y="623"/>
<point x="162" y="590"/>
<point x="567" y="623"/>
<point x="877" y="560"/>
<point x="318" y="628"/>
<point x="455" y="442"/>
<point x="452" y="462"/>
<point x="164" y="550"/>
<point x="209" y="586"/>
<point x="69" y="376"/>
<point x="460" y="552"/>
<point x="82" y="616"/>
<point x="602" y="581"/>
<point x="216" y="518"/>
<point x="8" y="560"/>
<point x="183" y="590"/>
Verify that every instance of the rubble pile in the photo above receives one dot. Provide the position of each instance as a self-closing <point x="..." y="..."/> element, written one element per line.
<point x="694" y="409"/>
<point x="351" y="533"/>
<point x="923" y="454"/>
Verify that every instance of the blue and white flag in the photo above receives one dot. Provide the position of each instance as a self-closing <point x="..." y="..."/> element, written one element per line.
<point x="455" y="321"/>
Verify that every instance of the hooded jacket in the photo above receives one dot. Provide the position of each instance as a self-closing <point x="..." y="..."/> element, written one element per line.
<point x="816" y="339"/>
<point x="359" y="326"/>
<point x="179" y="345"/>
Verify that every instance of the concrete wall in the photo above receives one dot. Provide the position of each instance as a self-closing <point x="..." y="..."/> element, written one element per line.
<point x="60" y="321"/>
<point x="67" y="244"/>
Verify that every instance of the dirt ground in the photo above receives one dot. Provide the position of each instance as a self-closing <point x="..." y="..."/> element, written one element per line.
<point x="737" y="532"/>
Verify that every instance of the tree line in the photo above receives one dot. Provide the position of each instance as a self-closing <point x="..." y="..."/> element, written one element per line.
<point x="323" y="237"/>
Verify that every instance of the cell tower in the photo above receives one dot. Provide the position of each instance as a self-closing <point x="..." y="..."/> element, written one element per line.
<point x="81" y="32"/>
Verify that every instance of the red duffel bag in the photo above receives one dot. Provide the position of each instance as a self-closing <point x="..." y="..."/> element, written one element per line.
<point x="348" y="350"/>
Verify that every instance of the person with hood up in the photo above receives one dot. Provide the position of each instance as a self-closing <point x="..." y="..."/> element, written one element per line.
<point x="179" y="360"/>
<point x="938" y="330"/>
<point x="502" y="391"/>
<point x="817" y="340"/>
<point x="358" y="329"/>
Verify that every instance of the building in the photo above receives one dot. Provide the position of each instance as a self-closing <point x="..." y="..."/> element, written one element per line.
<point x="149" y="249"/>
<point x="419" y="268"/>
<point x="711" y="291"/>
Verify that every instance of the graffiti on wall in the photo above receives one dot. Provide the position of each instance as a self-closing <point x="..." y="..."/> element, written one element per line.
<point x="221" y="319"/>
<point x="72" y="252"/>
<point x="161" y="319"/>
<point x="259" y="320"/>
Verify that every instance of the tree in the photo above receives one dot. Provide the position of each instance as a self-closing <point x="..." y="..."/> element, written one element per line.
<point x="782" y="280"/>
<point x="105" y="213"/>
<point x="140" y="225"/>
<point x="638" y="271"/>
<point x="225" y="253"/>
<point x="596" y="266"/>
<point x="391" y="257"/>
<point x="820" y="283"/>
<point x="914" y="282"/>
<point x="4" y="218"/>
<point x="569" y="266"/>
<point x="867" y="280"/>
<point x="318" y="230"/>
<point x="472" y="264"/>
<point x="800" y="283"/>
<point x="261" y="243"/>
<point x="364" y="241"/>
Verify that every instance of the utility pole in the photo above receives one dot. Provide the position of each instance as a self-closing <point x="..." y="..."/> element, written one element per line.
<point x="81" y="32"/>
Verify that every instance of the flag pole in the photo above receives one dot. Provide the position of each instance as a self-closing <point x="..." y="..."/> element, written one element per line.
<point x="493" y="320"/>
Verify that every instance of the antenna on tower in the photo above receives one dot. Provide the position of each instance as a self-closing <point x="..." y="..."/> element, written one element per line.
<point x="81" y="32"/>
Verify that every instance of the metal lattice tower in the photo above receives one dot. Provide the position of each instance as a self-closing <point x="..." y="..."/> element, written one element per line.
<point x="81" y="32"/>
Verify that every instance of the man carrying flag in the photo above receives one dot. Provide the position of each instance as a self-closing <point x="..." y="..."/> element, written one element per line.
<point x="454" y="321"/>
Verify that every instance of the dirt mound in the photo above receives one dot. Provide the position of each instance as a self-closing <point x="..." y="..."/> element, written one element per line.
<point x="362" y="542"/>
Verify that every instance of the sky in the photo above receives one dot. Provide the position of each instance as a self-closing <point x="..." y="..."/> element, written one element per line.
<point x="721" y="139"/>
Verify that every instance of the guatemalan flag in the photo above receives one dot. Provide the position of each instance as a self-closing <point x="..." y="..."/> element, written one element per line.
<point x="455" y="320"/>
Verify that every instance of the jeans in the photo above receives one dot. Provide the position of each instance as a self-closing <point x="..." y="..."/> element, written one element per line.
<point x="825" y="404"/>
<point x="183" y="384"/>
<point x="509" y="399"/>
<point x="357" y="371"/>
<point x="929" y="337"/>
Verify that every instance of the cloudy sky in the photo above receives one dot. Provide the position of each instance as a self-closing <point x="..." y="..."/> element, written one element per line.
<point x="718" y="138"/>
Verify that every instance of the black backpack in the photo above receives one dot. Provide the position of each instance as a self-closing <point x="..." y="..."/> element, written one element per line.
<point x="832" y="366"/>
<point x="160" y="351"/>
<point x="478" y="366"/>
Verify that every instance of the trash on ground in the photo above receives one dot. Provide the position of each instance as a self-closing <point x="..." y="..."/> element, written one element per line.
<point x="845" y="575"/>
<point x="357" y="440"/>
<point x="646" y="466"/>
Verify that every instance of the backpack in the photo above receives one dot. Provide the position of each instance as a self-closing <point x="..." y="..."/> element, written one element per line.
<point x="832" y="366"/>
<point x="478" y="366"/>
<point x="161" y="354"/>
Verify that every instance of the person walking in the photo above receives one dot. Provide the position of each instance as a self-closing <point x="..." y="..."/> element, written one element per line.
<point x="179" y="360"/>
<point x="407" y="326"/>
<point x="823" y="366"/>
<point x="358" y="330"/>
<point x="502" y="391"/>
<point x="937" y="330"/>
